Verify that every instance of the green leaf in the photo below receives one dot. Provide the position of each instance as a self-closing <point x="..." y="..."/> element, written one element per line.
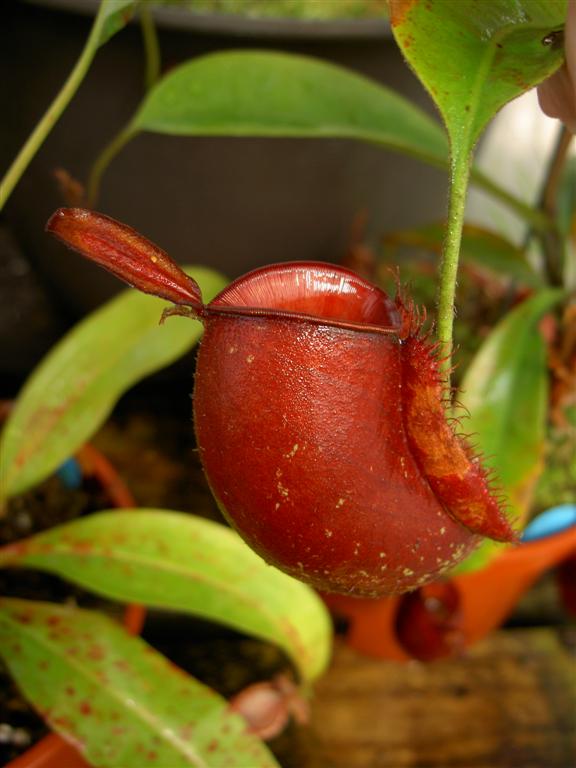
<point x="113" y="15"/>
<point x="76" y="386"/>
<point x="505" y="389"/>
<point x="479" y="247"/>
<point x="170" y="560"/>
<point x="474" y="57"/>
<point x="114" y="697"/>
<point x="267" y="94"/>
<point x="249" y="93"/>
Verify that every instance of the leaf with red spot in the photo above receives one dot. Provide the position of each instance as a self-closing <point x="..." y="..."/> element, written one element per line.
<point x="119" y="701"/>
<point x="505" y="390"/>
<point x="180" y="562"/>
<point x="474" y="57"/>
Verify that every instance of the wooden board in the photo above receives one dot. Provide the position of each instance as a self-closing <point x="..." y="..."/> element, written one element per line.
<point x="510" y="703"/>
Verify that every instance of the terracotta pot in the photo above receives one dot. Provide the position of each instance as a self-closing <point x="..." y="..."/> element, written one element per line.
<point x="448" y="617"/>
<point x="52" y="751"/>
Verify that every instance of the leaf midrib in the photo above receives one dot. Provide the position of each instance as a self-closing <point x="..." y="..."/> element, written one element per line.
<point x="297" y="650"/>
<point x="42" y="641"/>
<point x="468" y="117"/>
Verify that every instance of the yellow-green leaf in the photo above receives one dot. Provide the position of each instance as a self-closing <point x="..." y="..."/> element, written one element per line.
<point x="75" y="387"/>
<point x="112" y="16"/>
<point x="170" y="560"/>
<point x="119" y="701"/>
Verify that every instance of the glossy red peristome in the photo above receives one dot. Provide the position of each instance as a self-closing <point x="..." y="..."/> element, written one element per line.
<point x="320" y="418"/>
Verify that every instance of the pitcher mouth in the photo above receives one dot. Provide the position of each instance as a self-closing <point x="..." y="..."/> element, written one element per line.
<point x="311" y="292"/>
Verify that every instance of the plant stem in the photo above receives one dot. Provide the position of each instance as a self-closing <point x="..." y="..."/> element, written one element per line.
<point x="151" y="47"/>
<point x="103" y="161"/>
<point x="460" y="162"/>
<point x="549" y="193"/>
<point x="552" y="240"/>
<point x="52" y="114"/>
<point x="152" y="75"/>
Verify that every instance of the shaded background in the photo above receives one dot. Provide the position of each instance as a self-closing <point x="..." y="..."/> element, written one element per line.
<point x="232" y="204"/>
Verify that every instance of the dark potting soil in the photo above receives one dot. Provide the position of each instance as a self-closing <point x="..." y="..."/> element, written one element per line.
<point x="20" y="726"/>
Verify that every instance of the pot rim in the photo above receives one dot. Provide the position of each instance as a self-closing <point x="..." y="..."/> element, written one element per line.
<point x="245" y="26"/>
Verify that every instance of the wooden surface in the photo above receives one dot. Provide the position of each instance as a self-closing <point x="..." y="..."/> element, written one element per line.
<point x="510" y="703"/>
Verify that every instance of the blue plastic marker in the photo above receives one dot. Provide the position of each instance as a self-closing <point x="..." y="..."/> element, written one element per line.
<point x="70" y="473"/>
<point x="553" y="520"/>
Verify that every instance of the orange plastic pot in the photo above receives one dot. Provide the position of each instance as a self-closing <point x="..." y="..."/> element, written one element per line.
<point x="408" y="627"/>
<point x="52" y="751"/>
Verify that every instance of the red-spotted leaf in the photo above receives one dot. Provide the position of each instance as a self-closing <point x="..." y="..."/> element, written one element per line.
<point x="177" y="561"/>
<point x="505" y="389"/>
<point x="474" y="57"/>
<point x="114" y="697"/>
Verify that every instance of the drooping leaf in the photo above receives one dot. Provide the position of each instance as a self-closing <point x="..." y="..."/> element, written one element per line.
<point x="119" y="701"/>
<point x="77" y="384"/>
<point x="505" y="389"/>
<point x="250" y="93"/>
<point x="480" y="247"/>
<point x="474" y="57"/>
<point x="269" y="94"/>
<point x="177" y="561"/>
